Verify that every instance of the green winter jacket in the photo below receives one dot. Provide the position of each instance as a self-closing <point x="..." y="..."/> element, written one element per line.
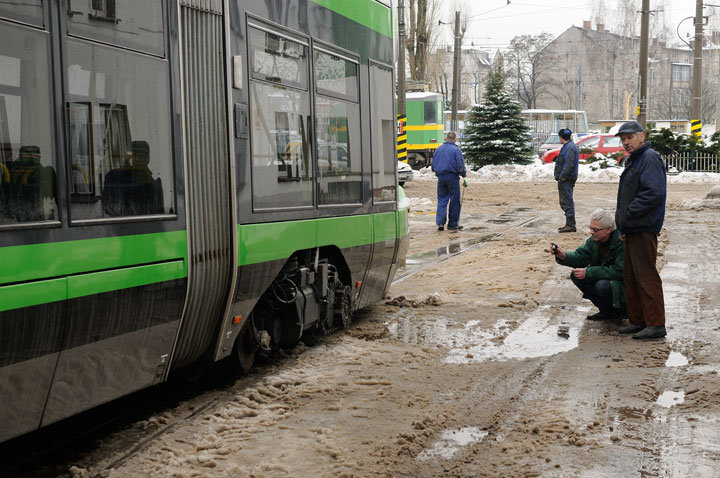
<point x="610" y="268"/>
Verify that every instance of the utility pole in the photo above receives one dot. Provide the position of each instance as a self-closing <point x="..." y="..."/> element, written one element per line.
<point x="401" y="59"/>
<point x="696" y="114"/>
<point x="456" y="74"/>
<point x="644" y="40"/>
<point x="579" y="100"/>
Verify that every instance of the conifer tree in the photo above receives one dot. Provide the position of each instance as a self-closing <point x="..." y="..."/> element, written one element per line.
<point x="495" y="132"/>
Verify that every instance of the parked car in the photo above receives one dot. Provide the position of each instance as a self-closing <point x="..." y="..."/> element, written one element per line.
<point x="405" y="173"/>
<point x="606" y="144"/>
<point x="552" y="142"/>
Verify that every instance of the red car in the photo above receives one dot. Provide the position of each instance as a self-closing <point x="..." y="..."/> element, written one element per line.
<point x="600" y="143"/>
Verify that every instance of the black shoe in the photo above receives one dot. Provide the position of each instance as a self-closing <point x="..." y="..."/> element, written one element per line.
<point x="441" y="228"/>
<point x="620" y="313"/>
<point x="567" y="228"/>
<point x="651" y="333"/>
<point x="456" y="228"/>
<point x="631" y="329"/>
<point x="603" y="315"/>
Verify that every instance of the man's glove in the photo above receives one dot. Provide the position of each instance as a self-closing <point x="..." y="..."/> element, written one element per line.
<point x="464" y="182"/>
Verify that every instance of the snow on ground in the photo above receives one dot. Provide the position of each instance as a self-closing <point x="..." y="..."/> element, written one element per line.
<point x="539" y="172"/>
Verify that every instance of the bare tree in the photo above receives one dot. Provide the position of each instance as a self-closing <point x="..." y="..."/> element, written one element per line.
<point x="422" y="34"/>
<point x="526" y="63"/>
<point x="599" y="11"/>
<point x="627" y="18"/>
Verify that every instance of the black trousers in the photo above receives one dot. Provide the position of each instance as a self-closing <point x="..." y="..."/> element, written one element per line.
<point x="597" y="292"/>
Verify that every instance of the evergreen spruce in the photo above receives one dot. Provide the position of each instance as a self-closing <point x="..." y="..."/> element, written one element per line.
<point x="495" y="132"/>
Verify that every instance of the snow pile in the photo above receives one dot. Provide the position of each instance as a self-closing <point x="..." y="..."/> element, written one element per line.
<point x="710" y="201"/>
<point x="420" y="203"/>
<point x="539" y="172"/>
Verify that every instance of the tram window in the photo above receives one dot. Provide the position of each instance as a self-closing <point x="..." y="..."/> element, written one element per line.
<point x="335" y="76"/>
<point x="119" y="126"/>
<point x="339" y="169"/>
<point x="28" y="178"/>
<point x="129" y="23"/>
<point x="430" y="112"/>
<point x="281" y="159"/>
<point x="27" y="11"/>
<point x="384" y="160"/>
<point x="277" y="59"/>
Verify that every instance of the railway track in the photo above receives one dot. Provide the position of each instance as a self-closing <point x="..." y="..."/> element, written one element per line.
<point x="467" y="244"/>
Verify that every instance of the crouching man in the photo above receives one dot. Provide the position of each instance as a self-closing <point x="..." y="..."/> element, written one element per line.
<point x="598" y="267"/>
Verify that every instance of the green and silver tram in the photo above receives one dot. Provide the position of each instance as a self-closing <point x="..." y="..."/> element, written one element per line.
<point x="184" y="181"/>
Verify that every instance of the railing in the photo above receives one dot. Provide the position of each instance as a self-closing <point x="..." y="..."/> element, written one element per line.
<point x="692" y="161"/>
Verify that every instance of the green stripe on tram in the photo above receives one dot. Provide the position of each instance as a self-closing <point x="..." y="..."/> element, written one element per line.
<point x="44" y="273"/>
<point x="366" y="12"/>
<point x="55" y="271"/>
<point x="277" y="241"/>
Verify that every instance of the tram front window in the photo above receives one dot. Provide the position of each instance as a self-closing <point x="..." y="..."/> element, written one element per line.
<point x="28" y="178"/>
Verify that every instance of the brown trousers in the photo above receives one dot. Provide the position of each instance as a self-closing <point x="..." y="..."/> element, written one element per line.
<point x="643" y="286"/>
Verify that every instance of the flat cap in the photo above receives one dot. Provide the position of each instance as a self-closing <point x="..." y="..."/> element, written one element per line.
<point x="629" y="127"/>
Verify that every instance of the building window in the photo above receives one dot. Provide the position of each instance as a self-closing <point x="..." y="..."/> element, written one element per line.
<point x="680" y="72"/>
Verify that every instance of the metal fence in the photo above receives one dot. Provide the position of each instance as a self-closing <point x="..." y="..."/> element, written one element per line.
<point x="692" y="161"/>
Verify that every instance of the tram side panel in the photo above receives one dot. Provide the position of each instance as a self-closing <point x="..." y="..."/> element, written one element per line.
<point x="93" y="275"/>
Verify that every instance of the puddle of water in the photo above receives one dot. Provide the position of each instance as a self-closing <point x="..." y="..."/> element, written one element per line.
<point x="668" y="398"/>
<point x="535" y="337"/>
<point x="470" y="342"/>
<point x="450" y="443"/>
<point x="676" y="359"/>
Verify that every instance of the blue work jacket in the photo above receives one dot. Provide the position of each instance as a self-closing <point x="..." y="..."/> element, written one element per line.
<point x="566" y="164"/>
<point x="448" y="159"/>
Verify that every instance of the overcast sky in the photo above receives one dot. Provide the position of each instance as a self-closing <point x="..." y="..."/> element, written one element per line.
<point x="493" y="23"/>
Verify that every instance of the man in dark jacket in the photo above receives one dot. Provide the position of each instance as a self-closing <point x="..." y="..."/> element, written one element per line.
<point x="598" y="267"/>
<point x="566" y="173"/>
<point x="639" y="217"/>
<point x="449" y="165"/>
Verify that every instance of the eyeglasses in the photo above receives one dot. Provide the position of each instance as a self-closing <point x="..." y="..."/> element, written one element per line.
<point x="596" y="229"/>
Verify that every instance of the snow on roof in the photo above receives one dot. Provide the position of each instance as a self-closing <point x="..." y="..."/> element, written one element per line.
<point x="423" y="95"/>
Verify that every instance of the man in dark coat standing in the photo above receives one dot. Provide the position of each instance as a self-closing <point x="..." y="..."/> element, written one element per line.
<point x="566" y="173"/>
<point x="449" y="165"/>
<point x="639" y="217"/>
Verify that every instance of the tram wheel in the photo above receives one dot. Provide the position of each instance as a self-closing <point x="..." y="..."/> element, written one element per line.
<point x="343" y="307"/>
<point x="245" y="346"/>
